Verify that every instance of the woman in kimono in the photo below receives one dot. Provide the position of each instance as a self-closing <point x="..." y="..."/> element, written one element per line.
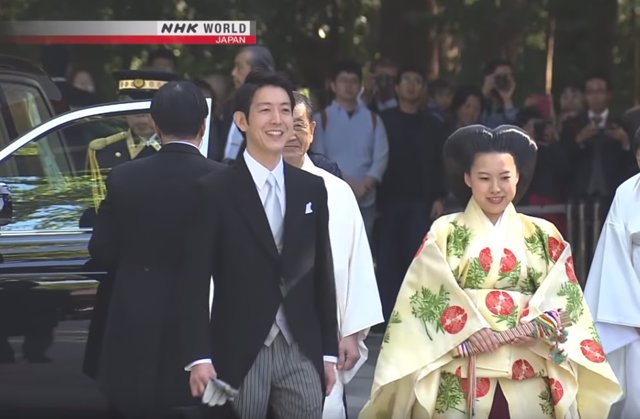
<point x="480" y="272"/>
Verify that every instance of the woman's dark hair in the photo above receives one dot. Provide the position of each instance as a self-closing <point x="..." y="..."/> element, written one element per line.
<point x="462" y="93"/>
<point x="464" y="144"/>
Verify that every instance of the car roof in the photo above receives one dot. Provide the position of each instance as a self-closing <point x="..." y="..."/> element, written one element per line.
<point x="19" y="67"/>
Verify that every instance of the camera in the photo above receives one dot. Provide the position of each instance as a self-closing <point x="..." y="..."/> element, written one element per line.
<point x="502" y="81"/>
<point x="384" y="81"/>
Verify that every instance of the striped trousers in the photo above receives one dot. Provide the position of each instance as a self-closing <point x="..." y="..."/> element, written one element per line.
<point x="284" y="379"/>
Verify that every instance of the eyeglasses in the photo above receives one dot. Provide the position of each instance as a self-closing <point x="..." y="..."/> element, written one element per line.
<point x="411" y="80"/>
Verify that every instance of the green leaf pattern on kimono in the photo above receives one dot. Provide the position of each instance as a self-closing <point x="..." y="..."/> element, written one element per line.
<point x="450" y="394"/>
<point x="458" y="239"/>
<point x="475" y="274"/>
<point x="537" y="243"/>
<point x="531" y="283"/>
<point x="545" y="403"/>
<point x="428" y="307"/>
<point x="594" y="334"/>
<point x="395" y="319"/>
<point x="573" y="294"/>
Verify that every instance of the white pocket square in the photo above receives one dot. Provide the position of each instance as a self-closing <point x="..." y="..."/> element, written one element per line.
<point x="307" y="208"/>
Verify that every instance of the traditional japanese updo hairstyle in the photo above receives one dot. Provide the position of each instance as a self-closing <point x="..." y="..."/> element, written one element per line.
<point x="465" y="143"/>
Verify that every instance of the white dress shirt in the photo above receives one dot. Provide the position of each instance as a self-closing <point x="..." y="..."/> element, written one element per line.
<point x="259" y="174"/>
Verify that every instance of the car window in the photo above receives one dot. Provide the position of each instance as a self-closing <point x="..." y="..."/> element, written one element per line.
<point x="57" y="181"/>
<point x="25" y="109"/>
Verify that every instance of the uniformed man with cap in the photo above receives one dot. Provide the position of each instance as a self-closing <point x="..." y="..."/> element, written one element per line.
<point x="137" y="141"/>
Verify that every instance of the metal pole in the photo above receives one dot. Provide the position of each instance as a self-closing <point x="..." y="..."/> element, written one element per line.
<point x="597" y="208"/>
<point x="582" y="240"/>
<point x="571" y="234"/>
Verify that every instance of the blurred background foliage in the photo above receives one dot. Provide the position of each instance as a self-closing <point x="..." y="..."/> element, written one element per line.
<point x="449" y="38"/>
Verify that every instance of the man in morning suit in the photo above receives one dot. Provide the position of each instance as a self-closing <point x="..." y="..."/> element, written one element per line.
<point x="262" y="234"/>
<point x="139" y="235"/>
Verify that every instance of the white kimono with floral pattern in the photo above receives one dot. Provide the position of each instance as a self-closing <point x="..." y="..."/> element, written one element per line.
<point x="469" y="274"/>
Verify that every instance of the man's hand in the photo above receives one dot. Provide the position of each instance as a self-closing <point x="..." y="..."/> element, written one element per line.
<point x="587" y="132"/>
<point x="488" y="85"/>
<point x="348" y="353"/>
<point x="201" y="374"/>
<point x="437" y="208"/>
<point x="329" y="376"/>
<point x="507" y="94"/>
<point x="484" y="340"/>
<point x="619" y="134"/>
<point x="358" y="188"/>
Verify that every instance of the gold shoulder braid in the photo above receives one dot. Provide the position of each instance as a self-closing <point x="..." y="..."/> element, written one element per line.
<point x="98" y="187"/>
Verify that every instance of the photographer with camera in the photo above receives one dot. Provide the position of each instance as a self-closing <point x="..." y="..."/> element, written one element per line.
<point x="550" y="179"/>
<point x="597" y="145"/>
<point x="378" y="92"/>
<point x="498" y="87"/>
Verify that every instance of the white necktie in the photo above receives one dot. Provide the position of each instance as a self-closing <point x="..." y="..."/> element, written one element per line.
<point x="274" y="211"/>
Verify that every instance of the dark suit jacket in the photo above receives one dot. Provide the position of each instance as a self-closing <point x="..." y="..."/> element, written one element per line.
<point x="615" y="160"/>
<point x="138" y="237"/>
<point x="231" y="241"/>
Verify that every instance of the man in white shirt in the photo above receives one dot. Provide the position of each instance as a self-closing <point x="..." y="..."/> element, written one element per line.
<point x="357" y="296"/>
<point x="227" y="143"/>
<point x="262" y="233"/>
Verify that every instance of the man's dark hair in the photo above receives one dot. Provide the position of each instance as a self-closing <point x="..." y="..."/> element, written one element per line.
<point x="162" y="53"/>
<point x="256" y="80"/>
<point x="303" y="100"/>
<point x="438" y="86"/>
<point x="491" y="66"/>
<point x="382" y="62"/>
<point x="203" y="85"/>
<point x="179" y="109"/>
<point x="260" y="58"/>
<point x="409" y="68"/>
<point x="597" y="75"/>
<point x="346" y="66"/>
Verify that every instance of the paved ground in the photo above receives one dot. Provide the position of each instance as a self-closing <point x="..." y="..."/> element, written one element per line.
<point x="59" y="389"/>
<point x="359" y="389"/>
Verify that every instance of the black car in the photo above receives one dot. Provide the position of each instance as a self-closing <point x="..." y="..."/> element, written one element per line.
<point x="47" y="286"/>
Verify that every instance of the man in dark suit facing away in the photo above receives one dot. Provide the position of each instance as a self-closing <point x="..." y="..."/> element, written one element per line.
<point x="139" y="236"/>
<point x="262" y="234"/>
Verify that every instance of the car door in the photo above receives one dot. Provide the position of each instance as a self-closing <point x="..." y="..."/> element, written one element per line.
<point x="47" y="282"/>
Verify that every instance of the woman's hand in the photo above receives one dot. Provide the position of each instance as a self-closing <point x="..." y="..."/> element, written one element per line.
<point x="524" y="341"/>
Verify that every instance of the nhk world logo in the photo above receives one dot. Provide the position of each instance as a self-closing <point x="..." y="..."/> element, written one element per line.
<point x="224" y="32"/>
<point x="129" y="32"/>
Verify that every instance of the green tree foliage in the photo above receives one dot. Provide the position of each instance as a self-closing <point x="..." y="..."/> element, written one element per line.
<point x="451" y="39"/>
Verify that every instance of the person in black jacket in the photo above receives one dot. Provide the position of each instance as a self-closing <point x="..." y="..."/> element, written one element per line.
<point x="139" y="238"/>
<point x="412" y="190"/>
<point x="262" y="233"/>
<point x="551" y="177"/>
